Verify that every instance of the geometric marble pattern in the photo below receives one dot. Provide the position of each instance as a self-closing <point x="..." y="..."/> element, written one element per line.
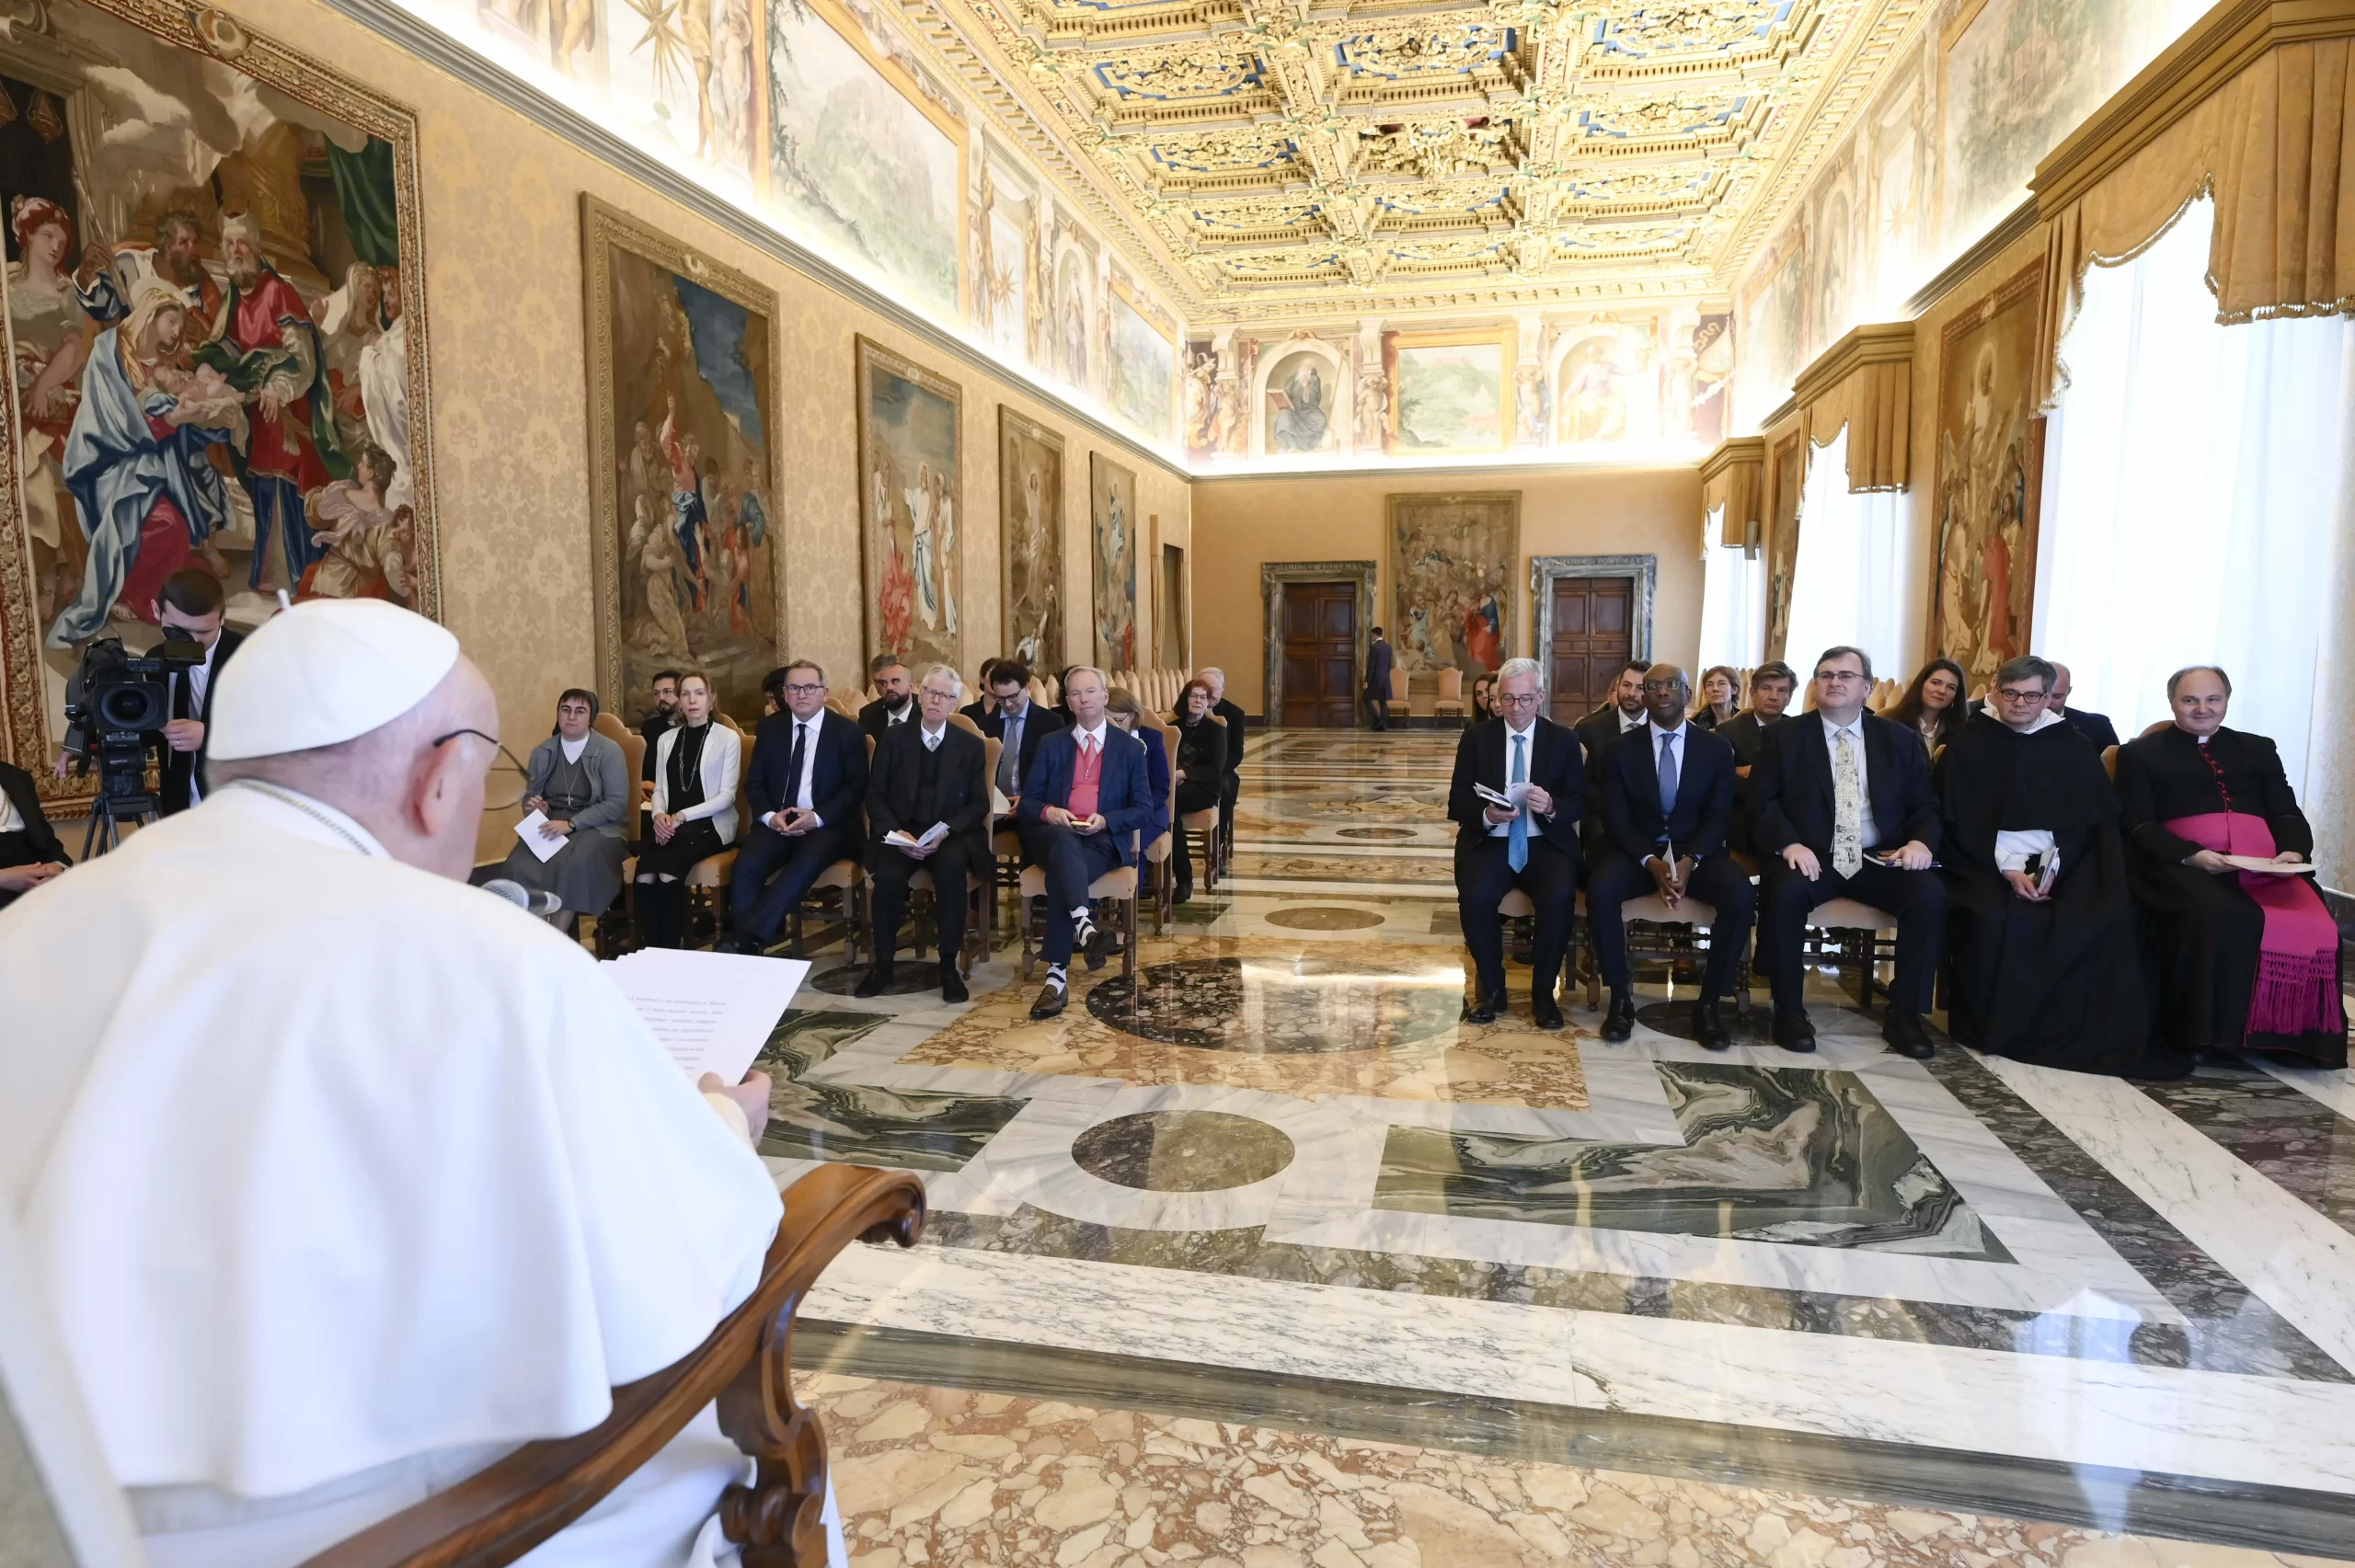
<point x="1283" y="1179"/>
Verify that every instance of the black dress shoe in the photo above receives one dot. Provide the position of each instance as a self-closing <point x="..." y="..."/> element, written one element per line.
<point x="1050" y="1001"/>
<point x="733" y="941"/>
<point x="1483" y="1009"/>
<point x="1709" y="1024"/>
<point x="1906" y="1036"/>
<point x="1545" y="1013"/>
<point x="1185" y="894"/>
<point x="1619" y="1022"/>
<point x="876" y="979"/>
<point x="952" y="985"/>
<point x="1792" y="1031"/>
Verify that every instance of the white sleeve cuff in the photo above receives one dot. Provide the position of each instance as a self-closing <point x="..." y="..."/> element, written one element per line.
<point x="2012" y="850"/>
<point x="728" y="1110"/>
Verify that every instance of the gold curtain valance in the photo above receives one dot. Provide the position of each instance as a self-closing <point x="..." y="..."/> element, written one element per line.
<point x="1863" y="384"/>
<point x="2250" y="106"/>
<point x="1734" y="477"/>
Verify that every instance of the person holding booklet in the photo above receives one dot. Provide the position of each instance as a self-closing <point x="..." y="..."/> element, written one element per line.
<point x="927" y="808"/>
<point x="2046" y="967"/>
<point x="574" y="836"/>
<point x="2246" y="956"/>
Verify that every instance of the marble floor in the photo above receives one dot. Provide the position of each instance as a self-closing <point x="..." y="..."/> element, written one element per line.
<point x="1272" y="1202"/>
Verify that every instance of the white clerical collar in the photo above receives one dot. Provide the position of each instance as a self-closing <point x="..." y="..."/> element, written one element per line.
<point x="2044" y="720"/>
<point x="306" y="817"/>
<point x="572" y="749"/>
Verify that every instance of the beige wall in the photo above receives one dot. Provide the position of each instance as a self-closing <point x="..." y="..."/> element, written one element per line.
<point x="1577" y="511"/>
<point x="503" y="300"/>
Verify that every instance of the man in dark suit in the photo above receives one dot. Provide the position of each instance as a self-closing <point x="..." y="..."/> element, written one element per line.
<point x="1601" y="730"/>
<point x="1841" y="801"/>
<point x="1235" y="726"/>
<point x="1667" y="797"/>
<point x="1771" y="685"/>
<point x="1018" y="727"/>
<point x="1084" y="804"/>
<point x="1377" y="681"/>
<point x="1534" y="847"/>
<point x="807" y="786"/>
<point x="665" y="713"/>
<point x="894" y="702"/>
<point x="929" y="774"/>
<point x="187" y="609"/>
<point x="29" y="852"/>
<point x="2095" y="727"/>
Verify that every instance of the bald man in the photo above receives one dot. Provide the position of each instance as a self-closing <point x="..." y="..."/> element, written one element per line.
<point x="338" y="1177"/>
<point x="2095" y="727"/>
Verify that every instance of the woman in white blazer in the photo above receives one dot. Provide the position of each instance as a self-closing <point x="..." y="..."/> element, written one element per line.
<point x="696" y="765"/>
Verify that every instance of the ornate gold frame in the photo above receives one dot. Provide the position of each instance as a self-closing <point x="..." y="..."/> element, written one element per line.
<point x="1393" y="568"/>
<point x="602" y="226"/>
<point x="213" y="32"/>
<point x="870" y="357"/>
<point x="1009" y="425"/>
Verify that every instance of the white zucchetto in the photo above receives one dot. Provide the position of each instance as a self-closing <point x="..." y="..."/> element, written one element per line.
<point x="324" y="671"/>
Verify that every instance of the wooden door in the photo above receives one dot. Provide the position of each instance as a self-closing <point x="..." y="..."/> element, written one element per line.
<point x="1593" y="638"/>
<point x="1320" y="633"/>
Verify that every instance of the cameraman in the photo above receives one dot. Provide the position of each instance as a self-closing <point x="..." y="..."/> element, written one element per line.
<point x="29" y="852"/>
<point x="191" y="610"/>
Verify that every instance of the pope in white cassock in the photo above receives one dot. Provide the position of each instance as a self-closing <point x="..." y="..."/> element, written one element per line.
<point x="341" y="1177"/>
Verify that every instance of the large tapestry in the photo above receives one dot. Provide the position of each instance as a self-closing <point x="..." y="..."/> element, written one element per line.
<point x="910" y="493"/>
<point x="1112" y="490"/>
<point x="1988" y="480"/>
<point x="1450" y="574"/>
<point x="681" y="357"/>
<point x="1030" y="513"/>
<point x="216" y="303"/>
<point x="1788" y="478"/>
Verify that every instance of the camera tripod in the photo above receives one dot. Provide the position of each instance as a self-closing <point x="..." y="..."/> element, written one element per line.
<point x="108" y="814"/>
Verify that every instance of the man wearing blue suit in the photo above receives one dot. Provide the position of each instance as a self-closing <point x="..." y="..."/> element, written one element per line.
<point x="1843" y="800"/>
<point x="808" y="790"/>
<point x="1534" y="847"/>
<point x="1667" y="800"/>
<point x="1084" y="802"/>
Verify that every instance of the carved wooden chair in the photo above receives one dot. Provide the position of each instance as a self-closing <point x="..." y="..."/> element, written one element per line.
<point x="497" y="1515"/>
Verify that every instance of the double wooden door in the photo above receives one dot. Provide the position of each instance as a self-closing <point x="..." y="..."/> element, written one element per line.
<point x="1594" y="621"/>
<point x="1320" y="656"/>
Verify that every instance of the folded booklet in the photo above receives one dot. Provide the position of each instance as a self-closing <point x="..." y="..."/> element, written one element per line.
<point x="2264" y="866"/>
<point x="1514" y="794"/>
<point x="899" y="837"/>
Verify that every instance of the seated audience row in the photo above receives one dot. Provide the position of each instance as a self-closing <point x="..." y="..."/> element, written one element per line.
<point x="2081" y="925"/>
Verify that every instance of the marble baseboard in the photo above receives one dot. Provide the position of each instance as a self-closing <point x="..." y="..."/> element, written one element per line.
<point x="2262" y="1518"/>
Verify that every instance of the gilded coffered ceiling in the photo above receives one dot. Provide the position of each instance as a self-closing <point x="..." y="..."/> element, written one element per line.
<point x="1269" y="156"/>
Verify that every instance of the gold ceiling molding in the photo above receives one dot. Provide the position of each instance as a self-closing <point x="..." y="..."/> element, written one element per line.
<point x="1734" y="477"/>
<point x="1253" y="155"/>
<point x="1863" y="384"/>
<point x="2251" y="107"/>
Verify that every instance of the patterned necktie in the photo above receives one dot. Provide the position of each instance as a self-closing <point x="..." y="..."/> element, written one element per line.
<point x="1666" y="778"/>
<point x="1847" y="809"/>
<point x="1009" y="758"/>
<point x="1517" y="838"/>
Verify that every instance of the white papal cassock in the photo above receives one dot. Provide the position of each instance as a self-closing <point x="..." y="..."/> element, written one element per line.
<point x="341" y="1178"/>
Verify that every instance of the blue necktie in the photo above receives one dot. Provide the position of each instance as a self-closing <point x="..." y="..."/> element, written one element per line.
<point x="1517" y="841"/>
<point x="1666" y="778"/>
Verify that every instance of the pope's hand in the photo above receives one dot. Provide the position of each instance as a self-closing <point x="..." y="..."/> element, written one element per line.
<point x="752" y="1097"/>
<point x="1802" y="859"/>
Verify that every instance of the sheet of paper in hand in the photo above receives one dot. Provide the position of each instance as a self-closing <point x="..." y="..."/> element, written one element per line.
<point x="899" y="837"/>
<point x="713" y="1012"/>
<point x="540" y="845"/>
<point x="2271" y="867"/>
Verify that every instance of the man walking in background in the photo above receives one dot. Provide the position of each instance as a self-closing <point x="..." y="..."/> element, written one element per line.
<point x="1377" y="681"/>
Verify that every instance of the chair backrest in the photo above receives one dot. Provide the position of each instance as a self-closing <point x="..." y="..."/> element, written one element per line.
<point x="2109" y="762"/>
<point x="633" y="753"/>
<point x="967" y="725"/>
<point x="743" y="796"/>
<point x="991" y="746"/>
<point x="1398" y="684"/>
<point x="610" y="727"/>
<point x="2155" y="728"/>
<point x="729" y="721"/>
<point x="1039" y="693"/>
<point x="1451" y="686"/>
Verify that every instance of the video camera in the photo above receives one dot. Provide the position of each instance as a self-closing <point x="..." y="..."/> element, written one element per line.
<point x="119" y="704"/>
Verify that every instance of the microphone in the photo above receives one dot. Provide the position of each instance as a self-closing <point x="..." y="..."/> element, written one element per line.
<point x="531" y="901"/>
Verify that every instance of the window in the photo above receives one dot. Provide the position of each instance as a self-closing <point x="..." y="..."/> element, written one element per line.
<point x="1850" y="581"/>
<point x="1733" y="592"/>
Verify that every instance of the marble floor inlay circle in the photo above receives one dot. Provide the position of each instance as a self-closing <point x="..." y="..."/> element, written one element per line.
<point x="1373" y="833"/>
<point x="1278" y="1007"/>
<point x="1182" y="1151"/>
<point x="1323" y="917"/>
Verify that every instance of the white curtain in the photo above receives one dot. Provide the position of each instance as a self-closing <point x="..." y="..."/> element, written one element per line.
<point x="1733" y="592"/>
<point x="1849" y="583"/>
<point x="2195" y="496"/>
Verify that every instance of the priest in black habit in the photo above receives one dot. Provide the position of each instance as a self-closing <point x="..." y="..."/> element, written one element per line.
<point x="2245" y="960"/>
<point x="2046" y="966"/>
